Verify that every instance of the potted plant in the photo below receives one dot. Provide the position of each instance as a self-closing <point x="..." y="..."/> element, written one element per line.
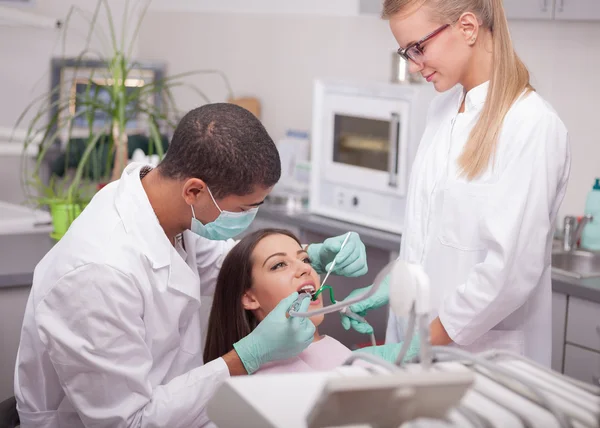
<point x="84" y="126"/>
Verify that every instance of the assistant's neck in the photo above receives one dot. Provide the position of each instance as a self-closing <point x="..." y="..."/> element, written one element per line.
<point x="480" y="66"/>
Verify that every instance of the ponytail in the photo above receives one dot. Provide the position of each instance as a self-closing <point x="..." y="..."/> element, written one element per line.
<point x="509" y="80"/>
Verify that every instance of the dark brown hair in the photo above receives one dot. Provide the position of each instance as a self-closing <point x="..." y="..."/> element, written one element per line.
<point x="229" y="321"/>
<point x="219" y="142"/>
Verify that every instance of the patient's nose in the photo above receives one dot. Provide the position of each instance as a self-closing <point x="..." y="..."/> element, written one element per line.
<point x="303" y="268"/>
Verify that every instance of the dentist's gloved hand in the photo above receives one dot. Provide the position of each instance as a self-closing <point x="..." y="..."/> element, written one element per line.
<point x="276" y="337"/>
<point x="377" y="300"/>
<point x="389" y="352"/>
<point x="350" y="262"/>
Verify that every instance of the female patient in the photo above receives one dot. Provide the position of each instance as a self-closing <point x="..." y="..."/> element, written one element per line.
<point x="261" y="270"/>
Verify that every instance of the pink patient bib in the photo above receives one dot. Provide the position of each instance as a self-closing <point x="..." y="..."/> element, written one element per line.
<point x="325" y="354"/>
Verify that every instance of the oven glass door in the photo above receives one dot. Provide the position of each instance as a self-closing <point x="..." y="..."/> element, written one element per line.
<point x="361" y="141"/>
<point x="365" y="142"/>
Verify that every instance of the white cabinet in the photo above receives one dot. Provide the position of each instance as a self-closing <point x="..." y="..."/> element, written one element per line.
<point x="559" y="319"/>
<point x="583" y="324"/>
<point x="515" y="9"/>
<point x="577" y="10"/>
<point x="529" y="9"/>
<point x="564" y="10"/>
<point x="542" y="10"/>
<point x="580" y="339"/>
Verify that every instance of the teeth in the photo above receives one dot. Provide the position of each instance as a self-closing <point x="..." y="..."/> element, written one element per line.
<point x="308" y="289"/>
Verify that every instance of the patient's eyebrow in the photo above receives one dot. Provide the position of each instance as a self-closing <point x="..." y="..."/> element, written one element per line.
<point x="282" y="254"/>
<point x="273" y="255"/>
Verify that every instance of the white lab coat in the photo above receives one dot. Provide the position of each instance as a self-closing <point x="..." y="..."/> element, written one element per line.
<point x="486" y="245"/>
<point x="111" y="335"/>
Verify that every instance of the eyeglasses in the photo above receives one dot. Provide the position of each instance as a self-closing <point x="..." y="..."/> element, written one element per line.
<point x="414" y="51"/>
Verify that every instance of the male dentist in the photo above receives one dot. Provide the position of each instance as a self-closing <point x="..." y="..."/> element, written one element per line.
<point x="111" y="335"/>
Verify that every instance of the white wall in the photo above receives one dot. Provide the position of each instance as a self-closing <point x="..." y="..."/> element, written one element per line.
<point x="321" y="7"/>
<point x="276" y="58"/>
<point x="25" y="52"/>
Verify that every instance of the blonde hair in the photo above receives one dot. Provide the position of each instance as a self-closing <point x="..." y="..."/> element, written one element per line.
<point x="508" y="81"/>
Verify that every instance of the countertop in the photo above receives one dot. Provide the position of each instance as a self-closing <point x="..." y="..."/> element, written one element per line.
<point x="585" y="288"/>
<point x="20" y="253"/>
<point x="330" y="227"/>
<point x="16" y="279"/>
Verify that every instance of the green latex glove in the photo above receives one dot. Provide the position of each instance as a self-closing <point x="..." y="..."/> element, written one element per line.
<point x="350" y="262"/>
<point x="379" y="299"/>
<point x="276" y="337"/>
<point x="389" y="352"/>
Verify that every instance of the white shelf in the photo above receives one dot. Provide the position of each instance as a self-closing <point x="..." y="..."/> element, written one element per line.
<point x="17" y="17"/>
<point x="11" y="142"/>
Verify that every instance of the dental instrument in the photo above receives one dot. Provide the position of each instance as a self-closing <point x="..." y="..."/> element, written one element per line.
<point x="334" y="260"/>
<point x="323" y="288"/>
<point x="343" y="308"/>
<point x="410" y="298"/>
<point x="296" y="305"/>
<point x="338" y="306"/>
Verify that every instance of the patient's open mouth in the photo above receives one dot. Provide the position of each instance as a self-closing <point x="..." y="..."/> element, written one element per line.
<point x="310" y="289"/>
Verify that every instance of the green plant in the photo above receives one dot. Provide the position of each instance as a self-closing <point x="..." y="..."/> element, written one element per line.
<point x="101" y="154"/>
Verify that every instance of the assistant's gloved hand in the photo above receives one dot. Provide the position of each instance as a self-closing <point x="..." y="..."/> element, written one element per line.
<point x="276" y="337"/>
<point x="389" y="352"/>
<point x="350" y="262"/>
<point x="377" y="300"/>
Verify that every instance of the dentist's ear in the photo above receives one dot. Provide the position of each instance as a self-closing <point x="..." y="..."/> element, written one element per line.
<point x="249" y="301"/>
<point x="192" y="189"/>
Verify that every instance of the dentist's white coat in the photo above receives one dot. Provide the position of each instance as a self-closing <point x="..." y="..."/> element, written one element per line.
<point x="111" y="335"/>
<point x="486" y="245"/>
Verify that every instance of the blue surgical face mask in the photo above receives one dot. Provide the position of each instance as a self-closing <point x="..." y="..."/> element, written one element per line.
<point x="226" y="226"/>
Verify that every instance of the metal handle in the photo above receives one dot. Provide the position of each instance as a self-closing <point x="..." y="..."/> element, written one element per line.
<point x="560" y="6"/>
<point x="569" y="224"/>
<point x="394" y="142"/>
<point x="544" y="5"/>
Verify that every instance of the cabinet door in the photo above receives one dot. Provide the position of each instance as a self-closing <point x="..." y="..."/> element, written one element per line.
<point x="582" y="364"/>
<point x="529" y="9"/>
<point x="577" y="10"/>
<point x="559" y="320"/>
<point x="583" y="326"/>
